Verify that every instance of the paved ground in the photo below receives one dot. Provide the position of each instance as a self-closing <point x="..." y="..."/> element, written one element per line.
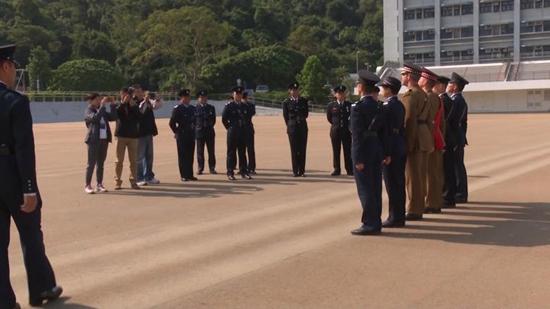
<point x="280" y="242"/>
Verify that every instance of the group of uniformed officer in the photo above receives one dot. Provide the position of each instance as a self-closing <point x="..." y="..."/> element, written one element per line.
<point x="417" y="144"/>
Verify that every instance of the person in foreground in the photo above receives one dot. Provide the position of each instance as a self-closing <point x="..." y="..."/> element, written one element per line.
<point x="369" y="148"/>
<point x="19" y="195"/>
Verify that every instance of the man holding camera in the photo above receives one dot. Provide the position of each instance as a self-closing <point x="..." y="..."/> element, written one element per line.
<point x="147" y="130"/>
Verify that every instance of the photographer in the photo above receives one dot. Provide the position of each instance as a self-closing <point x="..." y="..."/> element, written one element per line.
<point x="127" y="133"/>
<point x="147" y="129"/>
<point x="98" y="137"/>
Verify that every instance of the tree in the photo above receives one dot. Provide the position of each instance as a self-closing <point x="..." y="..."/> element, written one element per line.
<point x="94" y="45"/>
<point x="86" y="75"/>
<point x="39" y="68"/>
<point x="312" y="79"/>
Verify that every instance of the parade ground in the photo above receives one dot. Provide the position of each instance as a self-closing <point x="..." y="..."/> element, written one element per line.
<point x="283" y="242"/>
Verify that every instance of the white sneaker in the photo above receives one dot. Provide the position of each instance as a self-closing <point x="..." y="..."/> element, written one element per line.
<point x="101" y="189"/>
<point x="142" y="183"/>
<point x="89" y="190"/>
<point x="153" y="181"/>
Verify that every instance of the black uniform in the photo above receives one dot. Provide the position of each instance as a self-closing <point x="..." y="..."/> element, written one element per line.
<point x="295" y="113"/>
<point x="18" y="177"/>
<point x="452" y="136"/>
<point x="394" y="173"/>
<point x="182" y="124"/>
<point x="461" y="174"/>
<point x="249" y="128"/>
<point x="233" y="118"/>
<point x="369" y="146"/>
<point x="338" y="116"/>
<point x="205" y="119"/>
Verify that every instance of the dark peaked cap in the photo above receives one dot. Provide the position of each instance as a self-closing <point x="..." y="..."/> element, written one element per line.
<point x="340" y="88"/>
<point x="412" y="68"/>
<point x="7" y="52"/>
<point x="459" y="80"/>
<point x="294" y="85"/>
<point x="368" y="77"/>
<point x="391" y="82"/>
<point x="443" y="79"/>
<point x="238" y="89"/>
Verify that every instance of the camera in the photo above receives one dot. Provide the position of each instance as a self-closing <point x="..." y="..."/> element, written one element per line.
<point x="152" y="95"/>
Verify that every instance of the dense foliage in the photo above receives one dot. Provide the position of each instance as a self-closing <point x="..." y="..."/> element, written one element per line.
<point x="168" y="44"/>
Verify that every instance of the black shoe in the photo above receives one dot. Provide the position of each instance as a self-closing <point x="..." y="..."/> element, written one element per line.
<point x="49" y="295"/>
<point x="448" y="205"/>
<point x="231" y="177"/>
<point x="246" y="176"/>
<point x="17" y="306"/>
<point x="350" y="173"/>
<point x="200" y="172"/>
<point x="430" y="210"/>
<point x="296" y="175"/>
<point x="253" y="172"/>
<point x="335" y="173"/>
<point x="302" y="175"/>
<point x="192" y="178"/>
<point x="213" y="172"/>
<point x="413" y="217"/>
<point x="461" y="200"/>
<point x="393" y="224"/>
<point x="185" y="179"/>
<point x="364" y="230"/>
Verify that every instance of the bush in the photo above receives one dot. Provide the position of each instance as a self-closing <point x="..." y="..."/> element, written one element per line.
<point x="86" y="75"/>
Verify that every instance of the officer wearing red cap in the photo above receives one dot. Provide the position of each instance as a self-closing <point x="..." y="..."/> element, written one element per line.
<point x="19" y="197"/>
<point x="295" y="113"/>
<point x="338" y="113"/>
<point x="434" y="198"/>
<point x="419" y="140"/>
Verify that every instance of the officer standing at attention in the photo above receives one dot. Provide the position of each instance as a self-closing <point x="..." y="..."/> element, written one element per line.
<point x="295" y="113"/>
<point x="419" y="140"/>
<point x="394" y="172"/>
<point x="455" y="88"/>
<point x="434" y="163"/>
<point x="205" y="119"/>
<point x="19" y="195"/>
<point x="182" y="124"/>
<point x="233" y="118"/>
<point x="338" y="113"/>
<point x="370" y="149"/>
<point x="249" y="128"/>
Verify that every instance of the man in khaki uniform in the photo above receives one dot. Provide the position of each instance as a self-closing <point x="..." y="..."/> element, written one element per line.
<point x="419" y="141"/>
<point x="434" y="176"/>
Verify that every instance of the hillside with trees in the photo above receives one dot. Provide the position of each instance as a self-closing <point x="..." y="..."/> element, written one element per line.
<point x="197" y="43"/>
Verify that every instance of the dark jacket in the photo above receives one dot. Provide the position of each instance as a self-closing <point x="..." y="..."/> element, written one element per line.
<point x="205" y="120"/>
<point x="233" y="117"/>
<point x="338" y="116"/>
<point x="147" y="124"/>
<point x="128" y="121"/>
<point x="93" y="117"/>
<point x="295" y="114"/>
<point x="182" y="121"/>
<point x="369" y="140"/>
<point x="394" y="118"/>
<point x="249" y="113"/>
<point x="17" y="156"/>
<point x="462" y="118"/>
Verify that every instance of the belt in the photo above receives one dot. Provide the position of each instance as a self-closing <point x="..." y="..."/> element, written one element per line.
<point x="5" y="150"/>
<point x="370" y="134"/>
<point x="396" y="131"/>
<point x="422" y="121"/>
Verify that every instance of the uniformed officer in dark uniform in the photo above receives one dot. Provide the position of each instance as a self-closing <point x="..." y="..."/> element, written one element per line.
<point x="249" y="128"/>
<point x="452" y="133"/>
<point x="182" y="124"/>
<point x="394" y="172"/>
<point x="370" y="149"/>
<point x="338" y="113"/>
<point x="19" y="194"/>
<point x="234" y="117"/>
<point x="295" y="113"/>
<point x="455" y="88"/>
<point x="205" y="119"/>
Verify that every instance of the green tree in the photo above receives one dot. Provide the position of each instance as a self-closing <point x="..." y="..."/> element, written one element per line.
<point x="95" y="45"/>
<point x="39" y="68"/>
<point x="86" y="75"/>
<point x="312" y="79"/>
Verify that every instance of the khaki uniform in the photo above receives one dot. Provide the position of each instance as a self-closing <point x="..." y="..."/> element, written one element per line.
<point x="434" y="176"/>
<point x="420" y="142"/>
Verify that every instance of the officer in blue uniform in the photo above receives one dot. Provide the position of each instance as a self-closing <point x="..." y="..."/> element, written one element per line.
<point x="455" y="88"/>
<point x="370" y="149"/>
<point x="234" y="116"/>
<point x="452" y="135"/>
<point x="182" y="124"/>
<point x="338" y="113"/>
<point x="19" y="194"/>
<point x="205" y="120"/>
<point x="295" y="113"/>
<point x="249" y="129"/>
<point x="394" y="172"/>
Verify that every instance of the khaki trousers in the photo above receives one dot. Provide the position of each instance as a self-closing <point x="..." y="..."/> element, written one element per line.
<point x="415" y="178"/>
<point x="131" y="144"/>
<point x="435" y="180"/>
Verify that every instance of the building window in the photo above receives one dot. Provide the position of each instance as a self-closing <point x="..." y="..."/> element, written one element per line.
<point x="419" y="13"/>
<point x="416" y="36"/>
<point x="535" y="26"/>
<point x="467" y="9"/>
<point x="457" y="56"/>
<point x="447" y="11"/>
<point x="409" y="14"/>
<point x="490" y="30"/>
<point x="429" y="13"/>
<point x="534" y="4"/>
<point x="507" y="5"/>
<point x="547" y="3"/>
<point x="535" y="51"/>
<point x="457" y="10"/>
<point x="496" y="6"/>
<point x="421" y="58"/>
<point x="496" y="53"/>
<point x="457" y="33"/>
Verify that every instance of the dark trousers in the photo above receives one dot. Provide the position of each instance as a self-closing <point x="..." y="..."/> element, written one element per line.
<point x="209" y="142"/>
<point x="186" y="154"/>
<point x="461" y="176"/>
<point x="97" y="153"/>
<point x="236" y="144"/>
<point x="250" y="151"/>
<point x="394" y="178"/>
<point x="40" y="276"/>
<point x="298" y="147"/>
<point x="369" y="189"/>
<point x="449" y="163"/>
<point x="341" y="138"/>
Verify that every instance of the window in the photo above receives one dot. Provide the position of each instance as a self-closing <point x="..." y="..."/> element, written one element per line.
<point x="535" y="26"/>
<point x="485" y="8"/>
<point x="447" y="11"/>
<point x="507" y="5"/>
<point x="507" y="29"/>
<point x="468" y="32"/>
<point x="538" y="4"/>
<point x="547" y="3"/>
<point x="429" y="13"/>
<point x="429" y="35"/>
<point x="419" y="14"/>
<point x="409" y="14"/>
<point x="468" y="9"/>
